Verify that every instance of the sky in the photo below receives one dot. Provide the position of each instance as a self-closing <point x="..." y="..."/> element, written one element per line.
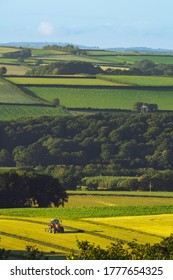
<point x="100" y="23"/>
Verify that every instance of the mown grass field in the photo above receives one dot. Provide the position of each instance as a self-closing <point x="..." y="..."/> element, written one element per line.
<point x="158" y="225"/>
<point x="104" y="98"/>
<point x="100" y="219"/>
<point x="99" y="225"/>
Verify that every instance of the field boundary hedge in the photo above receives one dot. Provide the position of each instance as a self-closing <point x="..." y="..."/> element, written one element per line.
<point x="29" y="104"/>
<point x="52" y="77"/>
<point x="99" y="110"/>
<point x="154" y="88"/>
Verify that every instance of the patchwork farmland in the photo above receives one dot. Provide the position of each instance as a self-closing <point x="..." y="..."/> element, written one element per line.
<point x="102" y="92"/>
<point x="82" y="92"/>
<point x="100" y="218"/>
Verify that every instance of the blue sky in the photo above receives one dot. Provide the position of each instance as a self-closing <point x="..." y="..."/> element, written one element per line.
<point x="103" y="23"/>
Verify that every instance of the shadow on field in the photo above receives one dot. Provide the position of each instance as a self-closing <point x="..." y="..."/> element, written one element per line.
<point x="73" y="231"/>
<point x="19" y="255"/>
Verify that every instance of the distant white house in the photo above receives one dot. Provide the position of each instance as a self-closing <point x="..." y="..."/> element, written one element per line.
<point x="144" y="109"/>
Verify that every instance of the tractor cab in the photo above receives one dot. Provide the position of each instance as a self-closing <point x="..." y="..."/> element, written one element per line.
<point x="55" y="226"/>
<point x="55" y="222"/>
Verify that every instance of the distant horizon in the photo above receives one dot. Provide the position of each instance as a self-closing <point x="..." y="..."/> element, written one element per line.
<point x="107" y="24"/>
<point x="82" y="45"/>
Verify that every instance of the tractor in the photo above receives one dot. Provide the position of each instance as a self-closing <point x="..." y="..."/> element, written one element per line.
<point x="55" y="226"/>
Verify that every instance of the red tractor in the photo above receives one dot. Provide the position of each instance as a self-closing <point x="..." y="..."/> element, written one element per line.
<point x="55" y="226"/>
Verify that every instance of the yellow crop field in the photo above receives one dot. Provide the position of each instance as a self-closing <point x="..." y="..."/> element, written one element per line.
<point x="113" y="200"/>
<point x="101" y="220"/>
<point x="158" y="225"/>
<point x="113" y="67"/>
<point x="10" y="244"/>
<point x="17" y="232"/>
<point x="7" y="49"/>
<point x="15" y="69"/>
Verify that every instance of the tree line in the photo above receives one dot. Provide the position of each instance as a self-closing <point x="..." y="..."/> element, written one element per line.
<point x="146" y="180"/>
<point x="65" y="68"/>
<point x="144" y="67"/>
<point x="141" y="68"/>
<point x="23" y="53"/>
<point x="3" y="71"/>
<point x="67" y="48"/>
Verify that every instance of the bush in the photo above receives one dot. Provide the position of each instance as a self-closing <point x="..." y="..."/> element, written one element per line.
<point x="33" y="253"/>
<point x="122" y="251"/>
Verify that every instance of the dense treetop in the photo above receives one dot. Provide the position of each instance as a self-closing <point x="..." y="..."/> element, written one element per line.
<point x="30" y="189"/>
<point x="23" y="53"/>
<point x="127" y="140"/>
<point x="67" y="48"/>
<point x="67" y="68"/>
<point x="144" y="67"/>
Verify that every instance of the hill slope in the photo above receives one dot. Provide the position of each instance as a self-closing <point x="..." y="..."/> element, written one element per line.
<point x="10" y="93"/>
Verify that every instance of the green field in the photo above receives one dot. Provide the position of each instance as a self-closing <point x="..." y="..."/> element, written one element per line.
<point x="100" y="219"/>
<point x="44" y="52"/>
<point x="10" y="112"/>
<point x="137" y="194"/>
<point x="104" y="98"/>
<point x="156" y="81"/>
<point x="16" y="103"/>
<point x="130" y="59"/>
<point x="116" y="200"/>
<point x="73" y="92"/>
<point x="61" y="81"/>
<point x="101" y="80"/>
<point x="9" y="93"/>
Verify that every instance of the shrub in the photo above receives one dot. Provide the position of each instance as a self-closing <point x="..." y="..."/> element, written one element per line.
<point x="122" y="251"/>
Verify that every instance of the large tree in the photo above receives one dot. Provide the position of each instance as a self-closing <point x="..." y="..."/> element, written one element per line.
<point x="3" y="71"/>
<point x="28" y="189"/>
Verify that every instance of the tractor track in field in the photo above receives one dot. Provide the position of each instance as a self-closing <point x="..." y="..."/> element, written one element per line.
<point x="129" y="229"/>
<point x="43" y="243"/>
<point x="77" y="230"/>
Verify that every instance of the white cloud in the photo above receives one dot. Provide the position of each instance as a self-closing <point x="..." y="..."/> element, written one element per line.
<point x="46" y="28"/>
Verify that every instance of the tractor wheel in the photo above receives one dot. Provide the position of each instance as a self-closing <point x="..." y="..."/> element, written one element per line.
<point x="61" y="230"/>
